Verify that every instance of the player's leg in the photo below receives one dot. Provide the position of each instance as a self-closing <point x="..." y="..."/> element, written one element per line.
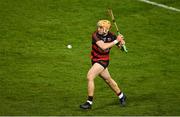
<point x="113" y="85"/>
<point x="107" y="78"/>
<point x="94" y="71"/>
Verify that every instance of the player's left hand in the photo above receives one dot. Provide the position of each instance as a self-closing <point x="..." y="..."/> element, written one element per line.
<point x="121" y="41"/>
<point x="120" y="38"/>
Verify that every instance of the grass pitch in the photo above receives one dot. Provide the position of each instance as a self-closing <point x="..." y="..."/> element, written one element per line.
<point x="40" y="76"/>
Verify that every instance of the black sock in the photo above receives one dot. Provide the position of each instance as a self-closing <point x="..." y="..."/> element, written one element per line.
<point x="120" y="95"/>
<point x="90" y="98"/>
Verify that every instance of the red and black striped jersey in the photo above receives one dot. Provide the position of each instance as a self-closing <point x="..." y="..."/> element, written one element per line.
<point x="97" y="53"/>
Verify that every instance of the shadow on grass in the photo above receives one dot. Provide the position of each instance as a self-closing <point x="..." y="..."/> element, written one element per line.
<point x="114" y="103"/>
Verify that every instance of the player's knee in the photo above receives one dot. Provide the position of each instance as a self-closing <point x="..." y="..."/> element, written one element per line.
<point x="90" y="77"/>
<point x="110" y="81"/>
<point x="107" y="80"/>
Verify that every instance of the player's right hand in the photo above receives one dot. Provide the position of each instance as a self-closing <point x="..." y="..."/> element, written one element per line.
<point x="120" y="38"/>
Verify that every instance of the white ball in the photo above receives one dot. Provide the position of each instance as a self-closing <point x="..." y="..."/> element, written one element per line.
<point x="69" y="46"/>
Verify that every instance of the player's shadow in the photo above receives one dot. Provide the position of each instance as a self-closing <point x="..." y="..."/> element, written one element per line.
<point x="107" y="105"/>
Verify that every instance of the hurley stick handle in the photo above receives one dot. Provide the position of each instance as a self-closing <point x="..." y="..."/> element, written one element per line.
<point x="117" y="29"/>
<point x="123" y="46"/>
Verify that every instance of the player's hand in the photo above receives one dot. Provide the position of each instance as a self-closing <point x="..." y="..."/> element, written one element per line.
<point x="120" y="44"/>
<point x="120" y="38"/>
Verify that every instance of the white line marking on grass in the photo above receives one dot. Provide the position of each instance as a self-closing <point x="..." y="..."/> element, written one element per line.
<point x="160" y="5"/>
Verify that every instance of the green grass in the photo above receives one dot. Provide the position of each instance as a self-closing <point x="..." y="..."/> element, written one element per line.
<point x="40" y="76"/>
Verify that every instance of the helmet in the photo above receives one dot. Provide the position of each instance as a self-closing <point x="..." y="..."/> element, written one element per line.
<point x="104" y="23"/>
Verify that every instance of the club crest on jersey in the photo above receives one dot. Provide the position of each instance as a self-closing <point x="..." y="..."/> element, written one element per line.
<point x="108" y="39"/>
<point x="104" y="39"/>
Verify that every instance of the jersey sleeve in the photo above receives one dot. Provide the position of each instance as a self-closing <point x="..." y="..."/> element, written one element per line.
<point x="95" y="37"/>
<point x="113" y="36"/>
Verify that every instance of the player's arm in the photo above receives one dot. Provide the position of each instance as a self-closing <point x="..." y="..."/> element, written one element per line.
<point x="121" y="41"/>
<point x="105" y="46"/>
